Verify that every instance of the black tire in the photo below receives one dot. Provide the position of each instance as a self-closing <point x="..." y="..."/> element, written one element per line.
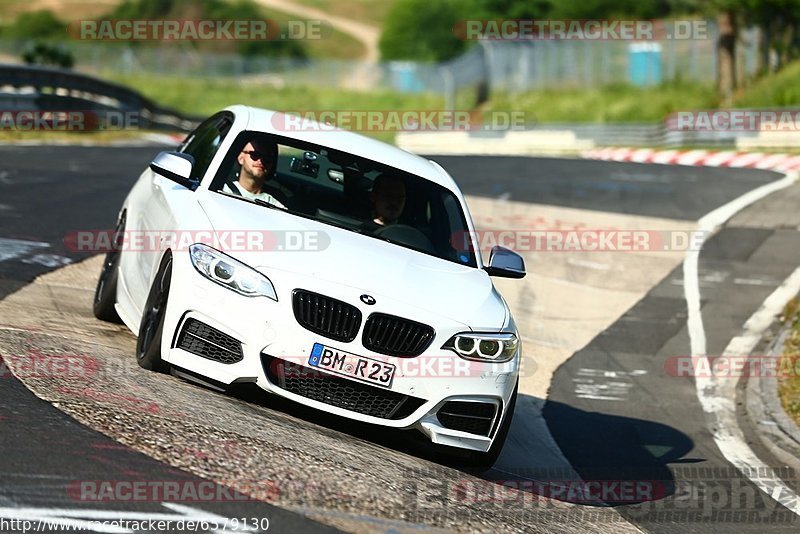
<point x="151" y="328"/>
<point x="105" y="295"/>
<point x="483" y="461"/>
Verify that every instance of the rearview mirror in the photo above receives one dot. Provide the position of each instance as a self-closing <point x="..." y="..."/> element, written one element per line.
<point x="176" y="167"/>
<point x="307" y="165"/>
<point x="505" y="263"/>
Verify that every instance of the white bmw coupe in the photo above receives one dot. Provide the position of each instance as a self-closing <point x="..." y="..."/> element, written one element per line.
<point x="325" y="267"/>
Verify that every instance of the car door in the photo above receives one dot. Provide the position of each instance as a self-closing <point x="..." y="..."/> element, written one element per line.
<point x="167" y="210"/>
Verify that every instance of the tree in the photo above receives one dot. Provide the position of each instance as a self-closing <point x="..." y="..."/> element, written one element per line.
<point x="422" y="30"/>
<point x="213" y="10"/>
<point x="778" y="21"/>
<point x="726" y="53"/>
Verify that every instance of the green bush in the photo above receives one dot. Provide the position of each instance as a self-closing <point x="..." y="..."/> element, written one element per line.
<point x="47" y="54"/>
<point x="42" y="24"/>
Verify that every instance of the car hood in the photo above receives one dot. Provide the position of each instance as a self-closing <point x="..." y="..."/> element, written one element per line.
<point x="381" y="269"/>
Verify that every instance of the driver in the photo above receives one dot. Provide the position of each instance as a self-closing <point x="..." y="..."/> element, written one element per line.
<point x="388" y="199"/>
<point x="257" y="160"/>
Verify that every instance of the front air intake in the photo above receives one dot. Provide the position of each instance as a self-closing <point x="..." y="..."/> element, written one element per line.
<point x="472" y="417"/>
<point x="202" y="340"/>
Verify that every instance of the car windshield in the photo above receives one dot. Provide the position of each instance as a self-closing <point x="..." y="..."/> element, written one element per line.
<point x="349" y="192"/>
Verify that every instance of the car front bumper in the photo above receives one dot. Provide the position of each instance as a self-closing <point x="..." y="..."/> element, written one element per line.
<point x="270" y="336"/>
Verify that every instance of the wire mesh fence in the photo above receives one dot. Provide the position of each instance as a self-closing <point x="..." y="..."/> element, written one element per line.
<point x="507" y="66"/>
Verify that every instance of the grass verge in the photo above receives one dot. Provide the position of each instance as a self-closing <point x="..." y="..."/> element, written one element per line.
<point x="205" y="96"/>
<point x="98" y="137"/>
<point x="627" y="104"/>
<point x="789" y="386"/>
<point x="202" y="97"/>
<point x="609" y="104"/>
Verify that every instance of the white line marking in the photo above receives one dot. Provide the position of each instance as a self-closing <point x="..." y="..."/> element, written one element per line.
<point x="597" y="266"/>
<point x="14" y="248"/>
<point x="753" y="281"/>
<point x="609" y="386"/>
<point x="48" y="260"/>
<point x="586" y="371"/>
<point x="600" y="397"/>
<point x="718" y="396"/>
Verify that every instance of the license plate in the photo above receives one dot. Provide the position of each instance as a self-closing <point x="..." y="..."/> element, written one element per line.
<point x="351" y="365"/>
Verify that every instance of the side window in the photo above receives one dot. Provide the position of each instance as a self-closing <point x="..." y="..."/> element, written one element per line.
<point x="203" y="144"/>
<point x="458" y="238"/>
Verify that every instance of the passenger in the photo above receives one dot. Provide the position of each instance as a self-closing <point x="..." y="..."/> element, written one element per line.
<point x="388" y="199"/>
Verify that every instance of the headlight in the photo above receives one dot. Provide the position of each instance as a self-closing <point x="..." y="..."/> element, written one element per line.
<point x="496" y="348"/>
<point x="231" y="273"/>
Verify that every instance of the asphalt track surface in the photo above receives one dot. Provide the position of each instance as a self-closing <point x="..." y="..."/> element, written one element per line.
<point x="656" y="432"/>
<point x="44" y="454"/>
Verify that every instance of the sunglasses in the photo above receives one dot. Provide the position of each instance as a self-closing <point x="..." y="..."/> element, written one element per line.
<point x="255" y="155"/>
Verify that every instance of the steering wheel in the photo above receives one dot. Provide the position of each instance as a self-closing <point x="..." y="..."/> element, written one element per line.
<point x="407" y="235"/>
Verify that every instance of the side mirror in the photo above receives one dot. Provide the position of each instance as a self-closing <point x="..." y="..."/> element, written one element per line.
<point x="176" y="167"/>
<point x="505" y="263"/>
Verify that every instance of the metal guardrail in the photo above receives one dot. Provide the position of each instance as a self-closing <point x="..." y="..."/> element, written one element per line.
<point x="566" y="138"/>
<point x="654" y="134"/>
<point x="45" y="89"/>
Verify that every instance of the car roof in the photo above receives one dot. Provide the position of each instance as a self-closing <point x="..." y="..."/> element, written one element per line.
<point x="268" y="121"/>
